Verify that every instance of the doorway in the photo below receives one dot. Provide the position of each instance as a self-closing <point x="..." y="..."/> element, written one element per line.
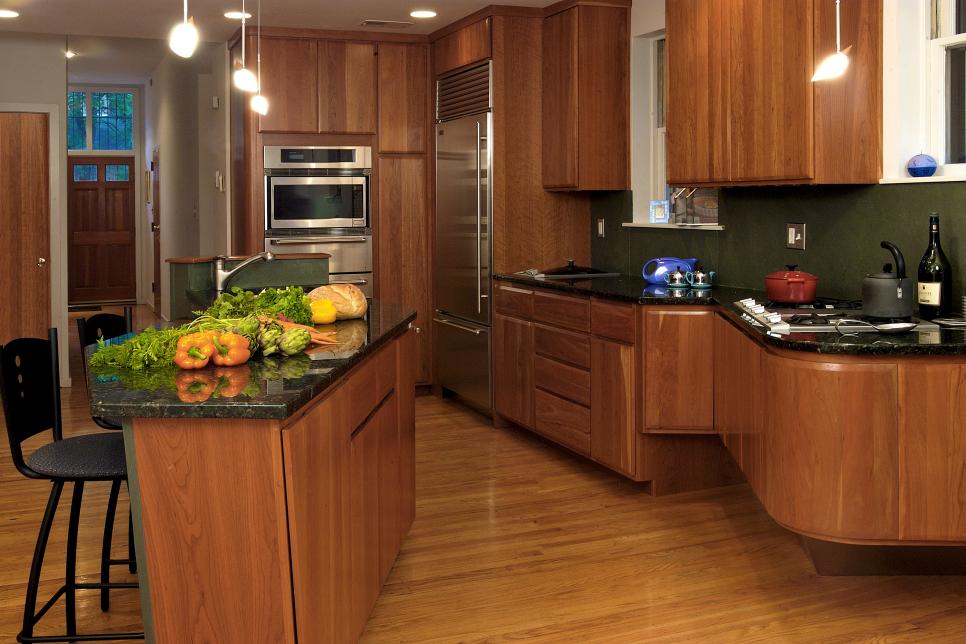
<point x="25" y="215"/>
<point x="101" y="239"/>
<point x="156" y="227"/>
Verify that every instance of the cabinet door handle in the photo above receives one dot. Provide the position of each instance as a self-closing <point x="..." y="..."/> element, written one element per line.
<point x="359" y="282"/>
<point x="461" y="327"/>
<point x="300" y="241"/>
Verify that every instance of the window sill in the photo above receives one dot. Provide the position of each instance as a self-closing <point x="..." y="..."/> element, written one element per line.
<point x="636" y="224"/>
<point x="936" y="178"/>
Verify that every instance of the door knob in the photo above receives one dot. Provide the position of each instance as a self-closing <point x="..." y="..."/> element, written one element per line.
<point x="155" y="228"/>
<point x="41" y="261"/>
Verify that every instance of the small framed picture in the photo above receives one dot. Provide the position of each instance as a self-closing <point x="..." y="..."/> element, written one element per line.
<point x="659" y="211"/>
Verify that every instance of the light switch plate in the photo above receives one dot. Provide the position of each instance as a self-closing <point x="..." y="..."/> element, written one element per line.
<point x="795" y="236"/>
<point x="600" y="229"/>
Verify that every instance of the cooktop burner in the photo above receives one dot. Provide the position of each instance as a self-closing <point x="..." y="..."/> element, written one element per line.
<point x="819" y="303"/>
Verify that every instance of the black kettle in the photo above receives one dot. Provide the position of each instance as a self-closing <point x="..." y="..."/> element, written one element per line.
<point x="888" y="294"/>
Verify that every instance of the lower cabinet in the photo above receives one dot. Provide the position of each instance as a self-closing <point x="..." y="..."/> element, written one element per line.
<point x="513" y="369"/>
<point x="612" y="400"/>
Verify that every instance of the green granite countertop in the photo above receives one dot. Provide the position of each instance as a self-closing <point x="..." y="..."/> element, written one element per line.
<point x="265" y="388"/>
<point x="628" y="288"/>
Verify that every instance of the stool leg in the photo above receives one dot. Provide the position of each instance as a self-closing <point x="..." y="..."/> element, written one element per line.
<point x="71" y="568"/>
<point x="131" y="555"/>
<point x="106" y="544"/>
<point x="33" y="582"/>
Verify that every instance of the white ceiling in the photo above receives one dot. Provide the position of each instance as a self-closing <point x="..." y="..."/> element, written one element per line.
<point x="154" y="18"/>
<point x="113" y="60"/>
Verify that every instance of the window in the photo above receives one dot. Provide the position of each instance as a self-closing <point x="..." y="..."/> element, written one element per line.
<point x="659" y="189"/>
<point x="76" y="121"/>
<point x="947" y="61"/>
<point x="100" y="120"/>
<point x="85" y="172"/>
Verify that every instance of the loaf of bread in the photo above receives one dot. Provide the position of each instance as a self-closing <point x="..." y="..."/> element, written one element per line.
<point x="349" y="301"/>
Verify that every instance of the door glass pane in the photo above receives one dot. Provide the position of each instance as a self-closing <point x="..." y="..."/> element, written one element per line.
<point x="116" y="173"/>
<point x="956" y="105"/>
<point x="85" y="172"/>
<point x="76" y="120"/>
<point x="112" y="120"/>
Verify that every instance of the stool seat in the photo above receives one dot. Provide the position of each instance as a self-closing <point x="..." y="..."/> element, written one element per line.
<point x="95" y="456"/>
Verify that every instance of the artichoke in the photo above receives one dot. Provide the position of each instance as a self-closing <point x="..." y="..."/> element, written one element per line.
<point x="294" y="341"/>
<point x="268" y="338"/>
<point x="295" y="367"/>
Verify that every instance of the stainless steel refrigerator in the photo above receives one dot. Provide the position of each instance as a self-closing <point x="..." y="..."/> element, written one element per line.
<point x="461" y="322"/>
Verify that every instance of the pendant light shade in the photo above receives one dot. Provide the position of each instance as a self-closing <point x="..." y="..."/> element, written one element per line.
<point x="259" y="103"/>
<point x="836" y="64"/>
<point x="245" y="80"/>
<point x="184" y="37"/>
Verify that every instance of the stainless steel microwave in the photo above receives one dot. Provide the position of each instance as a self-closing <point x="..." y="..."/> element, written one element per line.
<point x="308" y="187"/>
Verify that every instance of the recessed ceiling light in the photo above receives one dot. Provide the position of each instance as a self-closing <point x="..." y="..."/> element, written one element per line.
<point x="69" y="54"/>
<point x="422" y="13"/>
<point x="8" y="13"/>
<point x="237" y="15"/>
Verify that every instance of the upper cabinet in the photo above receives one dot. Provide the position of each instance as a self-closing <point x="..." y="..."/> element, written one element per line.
<point x="741" y="105"/>
<point x="403" y="98"/>
<point x="318" y="86"/>
<point x="471" y="44"/>
<point x="289" y="78"/>
<point x="586" y="98"/>
<point x="347" y="87"/>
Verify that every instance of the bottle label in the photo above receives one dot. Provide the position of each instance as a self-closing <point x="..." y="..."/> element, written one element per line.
<point x="930" y="293"/>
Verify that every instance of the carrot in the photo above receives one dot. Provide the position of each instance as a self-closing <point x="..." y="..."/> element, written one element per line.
<point x="315" y="336"/>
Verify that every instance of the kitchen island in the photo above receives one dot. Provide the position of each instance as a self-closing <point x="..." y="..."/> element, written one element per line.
<point x="270" y="500"/>
<point x="853" y="441"/>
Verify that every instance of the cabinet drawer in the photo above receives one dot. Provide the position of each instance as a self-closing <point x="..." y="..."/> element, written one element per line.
<point x="563" y="422"/>
<point x="614" y="320"/>
<point x="562" y="310"/>
<point x="562" y="379"/>
<point x="565" y="346"/>
<point x="517" y="302"/>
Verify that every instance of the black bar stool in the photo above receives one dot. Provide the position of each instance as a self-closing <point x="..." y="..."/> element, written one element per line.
<point x="30" y="388"/>
<point x="89" y="330"/>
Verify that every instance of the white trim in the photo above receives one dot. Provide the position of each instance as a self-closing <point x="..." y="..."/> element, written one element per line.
<point x="58" y="227"/>
<point x="936" y="178"/>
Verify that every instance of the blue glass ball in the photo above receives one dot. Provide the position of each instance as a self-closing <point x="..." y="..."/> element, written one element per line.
<point x="921" y="165"/>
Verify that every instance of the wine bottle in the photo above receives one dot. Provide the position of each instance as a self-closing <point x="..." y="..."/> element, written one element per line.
<point x="935" y="276"/>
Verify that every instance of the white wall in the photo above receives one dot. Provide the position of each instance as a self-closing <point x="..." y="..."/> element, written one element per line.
<point x="191" y="138"/>
<point x="34" y="72"/>
<point x="647" y="21"/>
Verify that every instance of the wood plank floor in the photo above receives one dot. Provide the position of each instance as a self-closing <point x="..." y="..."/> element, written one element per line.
<point x="516" y="539"/>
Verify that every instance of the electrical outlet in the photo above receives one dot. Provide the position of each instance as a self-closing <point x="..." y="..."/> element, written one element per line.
<point x="600" y="229"/>
<point x="795" y="236"/>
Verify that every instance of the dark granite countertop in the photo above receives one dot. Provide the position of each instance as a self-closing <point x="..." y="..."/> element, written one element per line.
<point x="266" y="388"/>
<point x="626" y="288"/>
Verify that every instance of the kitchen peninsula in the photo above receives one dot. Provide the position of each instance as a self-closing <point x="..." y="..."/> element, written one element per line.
<point x="851" y="440"/>
<point x="270" y="507"/>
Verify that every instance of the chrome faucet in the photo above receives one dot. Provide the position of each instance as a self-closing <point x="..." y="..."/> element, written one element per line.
<point x="222" y="276"/>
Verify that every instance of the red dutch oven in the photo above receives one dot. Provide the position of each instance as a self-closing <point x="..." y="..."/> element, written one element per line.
<point x="791" y="286"/>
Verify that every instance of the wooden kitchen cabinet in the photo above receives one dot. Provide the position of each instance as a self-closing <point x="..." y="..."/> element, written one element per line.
<point x="513" y="384"/>
<point x="741" y="107"/>
<point x="679" y="369"/>
<point x="290" y="81"/>
<point x="404" y="86"/>
<point x="347" y="87"/>
<point x="586" y="102"/>
<point x="613" y="432"/>
<point x="403" y="245"/>
<point x="471" y="44"/>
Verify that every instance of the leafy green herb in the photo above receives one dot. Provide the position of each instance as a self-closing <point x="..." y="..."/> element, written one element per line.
<point x="290" y="302"/>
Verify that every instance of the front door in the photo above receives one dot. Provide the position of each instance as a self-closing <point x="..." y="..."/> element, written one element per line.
<point x="100" y="216"/>
<point x="25" y="261"/>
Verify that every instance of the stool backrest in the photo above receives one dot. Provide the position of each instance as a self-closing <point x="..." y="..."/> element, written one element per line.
<point x="102" y="325"/>
<point x="30" y="388"/>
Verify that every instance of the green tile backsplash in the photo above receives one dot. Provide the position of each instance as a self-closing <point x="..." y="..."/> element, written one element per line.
<point x="844" y="226"/>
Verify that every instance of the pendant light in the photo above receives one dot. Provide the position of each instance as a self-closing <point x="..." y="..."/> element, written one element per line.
<point x="184" y="37"/>
<point x="259" y="103"/>
<point x="243" y="77"/>
<point x="836" y="64"/>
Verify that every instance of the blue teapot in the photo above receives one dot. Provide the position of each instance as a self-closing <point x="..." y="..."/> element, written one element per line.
<point x="655" y="270"/>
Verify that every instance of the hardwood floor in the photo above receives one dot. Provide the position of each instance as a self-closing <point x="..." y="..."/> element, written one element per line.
<point x="517" y="539"/>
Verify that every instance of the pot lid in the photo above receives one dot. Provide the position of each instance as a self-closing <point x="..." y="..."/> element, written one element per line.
<point x="791" y="273"/>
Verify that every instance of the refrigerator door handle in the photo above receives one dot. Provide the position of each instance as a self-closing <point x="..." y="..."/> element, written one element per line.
<point x="479" y="223"/>
<point x="459" y="326"/>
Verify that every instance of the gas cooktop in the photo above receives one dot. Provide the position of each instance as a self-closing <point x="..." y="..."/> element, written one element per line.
<point x="827" y="316"/>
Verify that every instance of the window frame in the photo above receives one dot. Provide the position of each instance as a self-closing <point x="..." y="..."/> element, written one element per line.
<point x="88" y="91"/>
